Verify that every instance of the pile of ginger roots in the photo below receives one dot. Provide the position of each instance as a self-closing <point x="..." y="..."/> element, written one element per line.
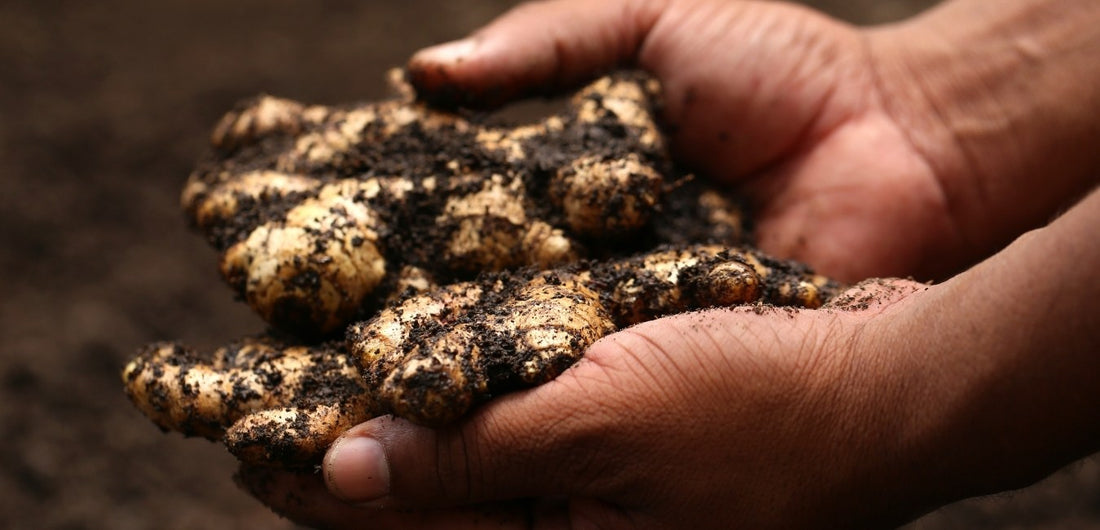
<point x="417" y="262"/>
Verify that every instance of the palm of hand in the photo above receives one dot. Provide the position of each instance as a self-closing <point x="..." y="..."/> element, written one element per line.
<point x="801" y="124"/>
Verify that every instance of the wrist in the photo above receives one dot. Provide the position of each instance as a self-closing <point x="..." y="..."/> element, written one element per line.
<point x="1000" y="98"/>
<point x="997" y="370"/>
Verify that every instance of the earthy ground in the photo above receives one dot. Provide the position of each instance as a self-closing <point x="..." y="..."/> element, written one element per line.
<point x="104" y="107"/>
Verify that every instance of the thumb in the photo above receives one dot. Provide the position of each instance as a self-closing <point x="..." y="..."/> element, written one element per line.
<point x="536" y="47"/>
<point x="515" y="447"/>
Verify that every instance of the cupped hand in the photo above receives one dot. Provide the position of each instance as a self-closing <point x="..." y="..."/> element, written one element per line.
<point x="781" y="100"/>
<point x="748" y="417"/>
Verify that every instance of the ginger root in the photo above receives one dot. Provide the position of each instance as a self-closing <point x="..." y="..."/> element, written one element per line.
<point x="315" y="208"/>
<point x="471" y="259"/>
<point x="437" y="353"/>
<point x="434" y="355"/>
<point x="268" y="399"/>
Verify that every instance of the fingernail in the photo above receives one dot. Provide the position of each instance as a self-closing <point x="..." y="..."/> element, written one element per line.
<point x="356" y="469"/>
<point x="450" y="52"/>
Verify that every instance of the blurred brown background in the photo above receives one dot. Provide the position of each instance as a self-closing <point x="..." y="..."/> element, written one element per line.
<point x="104" y="106"/>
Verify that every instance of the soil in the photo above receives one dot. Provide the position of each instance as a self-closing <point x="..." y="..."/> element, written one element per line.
<point x="106" y="106"/>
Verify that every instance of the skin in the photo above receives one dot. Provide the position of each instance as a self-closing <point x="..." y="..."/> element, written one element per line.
<point x="919" y="148"/>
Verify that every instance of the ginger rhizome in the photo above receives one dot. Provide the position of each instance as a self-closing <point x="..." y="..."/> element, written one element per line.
<point x="315" y="209"/>
<point x="417" y="262"/>
<point x="433" y="355"/>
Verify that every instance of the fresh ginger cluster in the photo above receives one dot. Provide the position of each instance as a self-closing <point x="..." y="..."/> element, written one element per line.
<point x="432" y="356"/>
<point x="316" y="210"/>
<point x="470" y="259"/>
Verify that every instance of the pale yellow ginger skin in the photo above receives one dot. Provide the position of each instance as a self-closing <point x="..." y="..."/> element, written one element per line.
<point x="221" y="202"/>
<point x="295" y="436"/>
<point x="584" y="188"/>
<point x="347" y="268"/>
<point x="187" y="397"/>
<point x="506" y="237"/>
<point x="551" y="324"/>
<point x="259" y="395"/>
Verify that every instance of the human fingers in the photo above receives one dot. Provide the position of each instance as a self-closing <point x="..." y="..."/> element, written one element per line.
<point x="302" y="498"/>
<point x="538" y="46"/>
<point x="745" y="82"/>
<point x="521" y="447"/>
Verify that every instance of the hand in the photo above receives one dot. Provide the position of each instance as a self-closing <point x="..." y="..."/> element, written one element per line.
<point x="913" y="149"/>
<point x="899" y="398"/>
<point x="743" y="418"/>
<point x="777" y="98"/>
